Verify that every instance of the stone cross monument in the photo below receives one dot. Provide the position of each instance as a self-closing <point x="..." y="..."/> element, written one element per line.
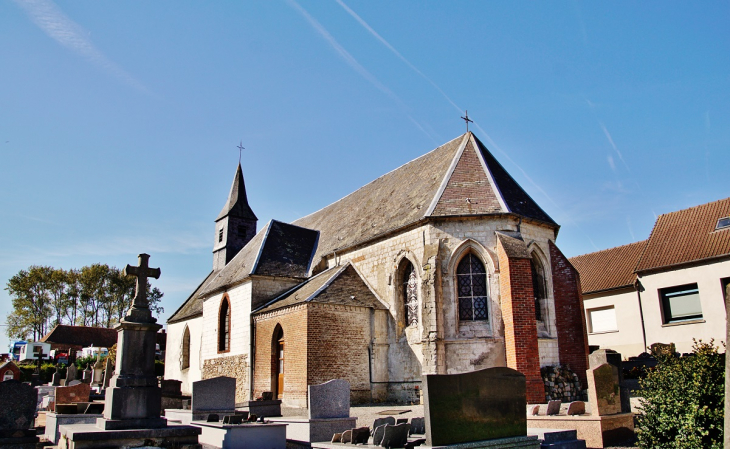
<point x="133" y="397"/>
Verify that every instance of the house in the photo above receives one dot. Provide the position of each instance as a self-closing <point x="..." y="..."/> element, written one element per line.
<point x="443" y="265"/>
<point x="64" y="337"/>
<point x="9" y="371"/>
<point x="666" y="289"/>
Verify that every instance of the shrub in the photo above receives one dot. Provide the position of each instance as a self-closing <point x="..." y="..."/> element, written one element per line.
<point x="683" y="400"/>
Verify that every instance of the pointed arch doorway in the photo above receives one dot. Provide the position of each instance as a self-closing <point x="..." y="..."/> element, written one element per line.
<point x="277" y="359"/>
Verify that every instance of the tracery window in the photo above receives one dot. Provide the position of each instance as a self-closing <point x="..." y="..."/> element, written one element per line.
<point x="538" y="286"/>
<point x="224" y="325"/>
<point x="410" y="295"/>
<point x="185" y="359"/>
<point x="472" y="289"/>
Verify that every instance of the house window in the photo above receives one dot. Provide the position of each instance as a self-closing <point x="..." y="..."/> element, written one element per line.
<point x="471" y="281"/>
<point x="723" y="223"/>
<point x="681" y="303"/>
<point x="538" y="286"/>
<point x="410" y="295"/>
<point x="185" y="359"/>
<point x="224" y="325"/>
<point x="602" y="320"/>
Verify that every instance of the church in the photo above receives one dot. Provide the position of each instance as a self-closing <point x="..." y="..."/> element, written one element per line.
<point x="443" y="265"/>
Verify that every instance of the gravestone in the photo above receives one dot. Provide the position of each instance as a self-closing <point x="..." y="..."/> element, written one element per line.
<point x="553" y="407"/>
<point x="360" y="435"/>
<point x="611" y="357"/>
<point x="232" y="419"/>
<point x="329" y="400"/>
<point x="380" y="421"/>
<point x="336" y="438"/>
<point x="576" y="408"/>
<point x="87" y="375"/>
<point x="171" y="387"/>
<point x="218" y="393"/>
<point x="213" y="417"/>
<point x="72" y="373"/>
<point x="395" y="436"/>
<point x="56" y="378"/>
<point x="347" y="436"/>
<point x="108" y="371"/>
<point x="418" y="426"/>
<point x="378" y="433"/>
<point x="98" y="373"/>
<point x="267" y="395"/>
<point x="18" y="403"/>
<point x="72" y="394"/>
<point x="603" y="390"/>
<point x="475" y="406"/>
<point x="74" y="382"/>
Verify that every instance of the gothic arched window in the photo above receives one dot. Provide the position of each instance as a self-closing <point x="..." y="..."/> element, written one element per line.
<point x="410" y="295"/>
<point x="471" y="283"/>
<point x="185" y="359"/>
<point x="538" y="285"/>
<point x="224" y="325"/>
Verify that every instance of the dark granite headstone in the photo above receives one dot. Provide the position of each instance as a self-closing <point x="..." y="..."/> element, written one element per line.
<point x="72" y="373"/>
<point x="95" y="408"/>
<point x="360" y="435"/>
<point x="267" y="395"/>
<point x="553" y="407"/>
<point x="418" y="426"/>
<point x="576" y="408"/>
<point x="395" y="436"/>
<point x="18" y="402"/>
<point x="329" y="400"/>
<point x="171" y="387"/>
<point x="233" y="419"/>
<point x="378" y="433"/>
<point x="481" y="405"/>
<point x="213" y="417"/>
<point x="381" y="421"/>
<point x="218" y="393"/>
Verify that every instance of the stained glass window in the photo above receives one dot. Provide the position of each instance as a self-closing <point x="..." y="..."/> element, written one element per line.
<point x="472" y="289"/>
<point x="410" y="295"/>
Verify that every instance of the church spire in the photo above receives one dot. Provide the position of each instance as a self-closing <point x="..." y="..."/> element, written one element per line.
<point x="235" y="225"/>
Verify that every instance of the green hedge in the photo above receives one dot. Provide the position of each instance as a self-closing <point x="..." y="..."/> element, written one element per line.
<point x="684" y="400"/>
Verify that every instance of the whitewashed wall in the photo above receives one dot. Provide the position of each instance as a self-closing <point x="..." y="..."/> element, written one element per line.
<point x="173" y="353"/>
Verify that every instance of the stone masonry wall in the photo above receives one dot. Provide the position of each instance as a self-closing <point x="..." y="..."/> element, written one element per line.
<point x="293" y="322"/>
<point x="234" y="366"/>
<point x="572" y="335"/>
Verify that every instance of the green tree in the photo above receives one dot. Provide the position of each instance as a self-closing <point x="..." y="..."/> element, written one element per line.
<point x="683" y="401"/>
<point x="31" y="303"/>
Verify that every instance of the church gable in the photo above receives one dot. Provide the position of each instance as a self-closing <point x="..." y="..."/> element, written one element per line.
<point x="468" y="190"/>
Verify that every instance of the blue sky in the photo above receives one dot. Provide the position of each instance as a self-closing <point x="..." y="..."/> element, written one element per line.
<point x="119" y="121"/>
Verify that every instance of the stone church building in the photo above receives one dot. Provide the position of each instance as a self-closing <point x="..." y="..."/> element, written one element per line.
<point x="443" y="265"/>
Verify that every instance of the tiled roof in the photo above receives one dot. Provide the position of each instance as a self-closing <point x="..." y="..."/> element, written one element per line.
<point x="279" y="249"/>
<point x="82" y="336"/>
<point x="608" y="269"/>
<point x="686" y="236"/>
<point x="337" y="285"/>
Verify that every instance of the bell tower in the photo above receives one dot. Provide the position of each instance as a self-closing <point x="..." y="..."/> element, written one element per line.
<point x="235" y="225"/>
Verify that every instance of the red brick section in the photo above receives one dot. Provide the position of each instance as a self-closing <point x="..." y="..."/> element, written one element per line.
<point x="569" y="314"/>
<point x="9" y="366"/>
<point x="520" y="328"/>
<point x="339" y="339"/>
<point x="293" y="321"/>
<point x="468" y="181"/>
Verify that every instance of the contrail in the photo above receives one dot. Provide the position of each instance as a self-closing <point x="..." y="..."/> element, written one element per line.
<point x="344" y="54"/>
<point x="610" y="140"/>
<point x="395" y="52"/>
<point x="52" y="21"/>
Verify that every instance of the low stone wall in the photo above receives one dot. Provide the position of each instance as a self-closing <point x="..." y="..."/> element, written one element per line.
<point x="234" y="366"/>
<point x="562" y="384"/>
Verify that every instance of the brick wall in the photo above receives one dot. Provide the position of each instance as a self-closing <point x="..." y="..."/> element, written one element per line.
<point x="518" y="312"/>
<point x="572" y="336"/>
<point x="293" y="322"/>
<point x="339" y="342"/>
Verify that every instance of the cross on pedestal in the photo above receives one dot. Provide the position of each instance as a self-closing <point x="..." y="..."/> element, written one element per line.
<point x="39" y="356"/>
<point x="140" y="306"/>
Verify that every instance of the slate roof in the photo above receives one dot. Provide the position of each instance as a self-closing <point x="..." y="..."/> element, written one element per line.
<point x="686" y="236"/>
<point x="237" y="203"/>
<point x="279" y="249"/>
<point x="608" y="269"/>
<point x="412" y="193"/>
<point x="337" y="285"/>
<point x="82" y="336"/>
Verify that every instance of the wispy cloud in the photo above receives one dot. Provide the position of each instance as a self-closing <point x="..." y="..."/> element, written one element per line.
<point x="611" y="163"/>
<point x="352" y="62"/>
<point x="631" y="230"/>
<point x="49" y="18"/>
<point x="395" y="52"/>
<point x="613" y="145"/>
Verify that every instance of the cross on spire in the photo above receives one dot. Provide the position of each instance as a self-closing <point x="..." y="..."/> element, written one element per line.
<point x="240" y="149"/>
<point x="142" y="272"/>
<point x="467" y="120"/>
